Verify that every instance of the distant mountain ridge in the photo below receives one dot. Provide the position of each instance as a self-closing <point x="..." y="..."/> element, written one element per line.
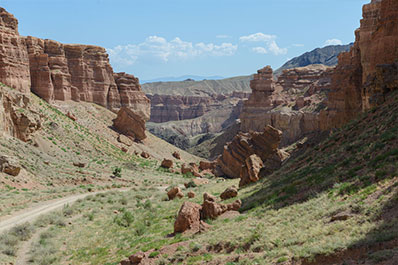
<point x="182" y="78"/>
<point x="327" y="56"/>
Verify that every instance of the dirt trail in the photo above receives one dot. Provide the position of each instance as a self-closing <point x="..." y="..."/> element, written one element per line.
<point x="30" y="214"/>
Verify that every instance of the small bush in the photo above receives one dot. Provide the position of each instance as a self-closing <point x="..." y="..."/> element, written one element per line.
<point x="117" y="172"/>
<point x="154" y="254"/>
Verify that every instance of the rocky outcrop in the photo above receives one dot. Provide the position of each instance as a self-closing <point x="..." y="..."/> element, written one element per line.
<point x="191" y="216"/>
<point x="229" y="193"/>
<point x="188" y="218"/>
<point x="367" y="72"/>
<point x="56" y="71"/>
<point x="175" y="192"/>
<point x="167" y="163"/>
<point x="264" y="145"/>
<point x="9" y="165"/>
<point x="17" y="117"/>
<point x="290" y="104"/>
<point x="130" y="124"/>
<point x="250" y="172"/>
<point x="166" y="108"/>
<point x="14" y="62"/>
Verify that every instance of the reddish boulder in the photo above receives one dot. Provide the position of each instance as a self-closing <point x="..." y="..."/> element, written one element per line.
<point x="264" y="145"/>
<point x="177" y="155"/>
<point x="188" y="218"/>
<point x="229" y="193"/>
<point x="145" y="155"/>
<point x="211" y="209"/>
<point x="191" y="169"/>
<point x="166" y="163"/>
<point x="175" y="192"/>
<point x="71" y="116"/>
<point x="250" y="172"/>
<point x="191" y="194"/>
<point x="130" y="124"/>
<point x="206" y="165"/>
<point x="9" y="165"/>
<point x="137" y="257"/>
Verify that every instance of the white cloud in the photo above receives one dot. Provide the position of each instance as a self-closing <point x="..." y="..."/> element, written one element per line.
<point x="258" y="37"/>
<point x="260" y="50"/>
<point x="158" y="48"/>
<point x="268" y="40"/>
<point x="333" y="42"/>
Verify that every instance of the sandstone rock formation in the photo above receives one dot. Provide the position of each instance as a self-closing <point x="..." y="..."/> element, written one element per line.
<point x="175" y="192"/>
<point x="167" y="163"/>
<point x="290" y="104"/>
<point x="191" y="194"/>
<point x="264" y="145"/>
<point x="191" y="215"/>
<point x="368" y="72"/>
<point x="250" y="172"/>
<point x="14" y="66"/>
<point x="177" y="155"/>
<point x="211" y="209"/>
<point x="9" y="165"/>
<point x="188" y="218"/>
<point x="56" y="71"/>
<point x="130" y="124"/>
<point x="17" y="117"/>
<point x="229" y="193"/>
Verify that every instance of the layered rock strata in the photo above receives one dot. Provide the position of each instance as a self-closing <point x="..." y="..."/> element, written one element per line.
<point x="366" y="73"/>
<point x="263" y="144"/>
<point x="56" y="71"/>
<point x="291" y="103"/>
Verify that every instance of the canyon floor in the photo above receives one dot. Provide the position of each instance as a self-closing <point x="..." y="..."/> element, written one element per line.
<point x="348" y="215"/>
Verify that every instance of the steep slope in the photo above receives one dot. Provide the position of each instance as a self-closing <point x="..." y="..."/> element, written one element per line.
<point x="327" y="56"/>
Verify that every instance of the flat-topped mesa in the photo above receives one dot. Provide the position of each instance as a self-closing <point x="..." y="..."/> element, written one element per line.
<point x="14" y="63"/>
<point x="368" y="72"/>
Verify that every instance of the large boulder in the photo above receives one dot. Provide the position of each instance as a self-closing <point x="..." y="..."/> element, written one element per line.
<point x="188" y="218"/>
<point x="250" y="172"/>
<point x="262" y="144"/>
<point x="167" y="163"/>
<point x="175" y="192"/>
<point x="130" y="124"/>
<point x="229" y="193"/>
<point x="9" y="165"/>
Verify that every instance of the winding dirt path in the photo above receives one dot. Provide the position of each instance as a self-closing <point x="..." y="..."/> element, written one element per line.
<point x="31" y="214"/>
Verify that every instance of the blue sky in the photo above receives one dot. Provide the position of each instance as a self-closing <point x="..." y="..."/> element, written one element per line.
<point x="159" y="38"/>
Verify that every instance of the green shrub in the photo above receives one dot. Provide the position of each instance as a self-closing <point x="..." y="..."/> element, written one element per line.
<point x="117" y="172"/>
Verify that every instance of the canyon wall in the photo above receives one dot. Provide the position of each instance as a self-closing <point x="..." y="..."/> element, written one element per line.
<point x="56" y="71"/>
<point x="291" y="103"/>
<point x="368" y="72"/>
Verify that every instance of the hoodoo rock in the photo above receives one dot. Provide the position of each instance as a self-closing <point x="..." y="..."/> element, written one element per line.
<point x="264" y="145"/>
<point x="366" y="73"/>
<point x="290" y="104"/>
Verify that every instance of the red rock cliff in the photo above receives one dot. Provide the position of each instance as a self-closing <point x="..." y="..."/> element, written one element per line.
<point x="368" y="72"/>
<point x="14" y="63"/>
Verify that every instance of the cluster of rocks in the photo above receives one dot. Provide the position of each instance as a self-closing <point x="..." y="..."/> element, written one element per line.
<point x="191" y="215"/>
<point x="251" y="153"/>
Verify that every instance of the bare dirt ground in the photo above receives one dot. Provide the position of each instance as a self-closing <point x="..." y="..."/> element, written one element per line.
<point x="31" y="214"/>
